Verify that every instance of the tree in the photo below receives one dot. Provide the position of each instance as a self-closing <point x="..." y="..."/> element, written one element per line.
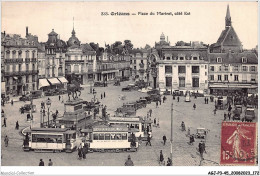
<point x="147" y="47"/>
<point x="128" y="45"/>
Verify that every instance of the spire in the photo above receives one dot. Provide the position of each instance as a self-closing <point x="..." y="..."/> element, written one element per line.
<point x="228" y="13"/>
<point x="73" y="31"/>
<point x="228" y="17"/>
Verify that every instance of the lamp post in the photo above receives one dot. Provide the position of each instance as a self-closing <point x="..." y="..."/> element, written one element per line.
<point x="171" y="129"/>
<point x="31" y="111"/>
<point x="48" y="103"/>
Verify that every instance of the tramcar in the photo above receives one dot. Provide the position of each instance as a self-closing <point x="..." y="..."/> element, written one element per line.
<point x="117" y="138"/>
<point x="50" y="139"/>
<point x="140" y="126"/>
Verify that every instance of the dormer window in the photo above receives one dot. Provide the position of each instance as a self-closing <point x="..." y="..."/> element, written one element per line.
<point x="244" y="60"/>
<point x="181" y="58"/>
<point x="195" y="58"/>
<point x="219" y="59"/>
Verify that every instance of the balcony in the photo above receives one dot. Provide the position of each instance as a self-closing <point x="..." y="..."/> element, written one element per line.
<point x="33" y="59"/>
<point x="27" y="60"/>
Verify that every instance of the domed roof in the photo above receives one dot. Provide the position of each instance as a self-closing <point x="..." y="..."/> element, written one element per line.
<point x="162" y="37"/>
<point x="73" y="40"/>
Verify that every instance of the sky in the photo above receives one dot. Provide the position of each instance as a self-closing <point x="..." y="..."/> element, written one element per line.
<point x="205" y="22"/>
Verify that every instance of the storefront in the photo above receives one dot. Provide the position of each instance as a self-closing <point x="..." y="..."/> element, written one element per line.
<point x="43" y="84"/>
<point x="226" y="89"/>
<point x="55" y="83"/>
<point x="63" y="81"/>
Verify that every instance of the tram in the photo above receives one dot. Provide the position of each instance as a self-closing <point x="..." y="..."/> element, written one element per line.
<point x="50" y="139"/>
<point x="117" y="138"/>
<point x="140" y="126"/>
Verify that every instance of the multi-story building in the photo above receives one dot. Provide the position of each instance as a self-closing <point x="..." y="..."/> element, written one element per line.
<point x="54" y="62"/>
<point x="79" y="60"/>
<point x="20" y="61"/>
<point x="139" y="65"/>
<point x="183" y="68"/>
<point x="231" y="68"/>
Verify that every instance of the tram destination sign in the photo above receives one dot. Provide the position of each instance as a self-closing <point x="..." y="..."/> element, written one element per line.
<point x="110" y="129"/>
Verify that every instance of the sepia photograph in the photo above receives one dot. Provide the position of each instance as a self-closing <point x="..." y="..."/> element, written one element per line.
<point x="129" y="84"/>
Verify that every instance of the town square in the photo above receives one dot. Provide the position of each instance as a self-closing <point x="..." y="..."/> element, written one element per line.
<point x="68" y="102"/>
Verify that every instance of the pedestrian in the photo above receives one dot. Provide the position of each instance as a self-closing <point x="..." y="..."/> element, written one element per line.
<point x="161" y="162"/>
<point x="215" y="111"/>
<point x="156" y="104"/>
<point x="104" y="94"/>
<point x="164" y="139"/>
<point x="17" y="126"/>
<point x="57" y="112"/>
<point x="41" y="163"/>
<point x="178" y="99"/>
<point x="154" y="121"/>
<point x="140" y="139"/>
<point x="188" y="132"/>
<point x="4" y="122"/>
<point x="164" y="98"/>
<point x="59" y="97"/>
<point x="62" y="101"/>
<point x="150" y="111"/>
<point x="6" y="140"/>
<point x="129" y="162"/>
<point x="148" y="140"/>
<point x="28" y="117"/>
<point x="183" y="128"/>
<point x="173" y="96"/>
<point x="225" y="116"/>
<point x="101" y="96"/>
<point x="84" y="151"/>
<point x="229" y="116"/>
<point x="205" y="99"/>
<point x="202" y="149"/>
<point x="160" y="101"/>
<point x="191" y="139"/>
<point x="229" y="108"/>
<point x="194" y="106"/>
<point x="169" y="162"/>
<point x="80" y="153"/>
<point x="50" y="163"/>
<point x="12" y="102"/>
<point x="158" y="124"/>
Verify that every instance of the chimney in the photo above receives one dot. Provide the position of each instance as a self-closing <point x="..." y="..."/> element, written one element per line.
<point x="167" y="39"/>
<point x="26" y="30"/>
<point x="4" y="33"/>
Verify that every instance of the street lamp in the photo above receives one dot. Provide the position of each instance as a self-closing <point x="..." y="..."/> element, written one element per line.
<point x="48" y="103"/>
<point x="31" y="111"/>
<point x="171" y="130"/>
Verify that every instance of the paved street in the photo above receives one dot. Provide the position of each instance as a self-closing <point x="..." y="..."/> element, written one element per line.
<point x="183" y="153"/>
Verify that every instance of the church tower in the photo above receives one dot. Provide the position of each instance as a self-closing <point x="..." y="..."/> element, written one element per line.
<point x="228" y="39"/>
<point x="228" y="18"/>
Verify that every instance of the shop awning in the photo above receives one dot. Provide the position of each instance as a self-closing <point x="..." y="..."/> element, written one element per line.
<point x="238" y="86"/>
<point x="15" y="77"/>
<point x="54" y="81"/>
<point x="62" y="80"/>
<point x="43" y="83"/>
<point x="2" y="87"/>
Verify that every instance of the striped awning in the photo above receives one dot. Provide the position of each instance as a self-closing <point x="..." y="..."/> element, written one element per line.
<point x="54" y="81"/>
<point x="43" y="83"/>
<point x="63" y="80"/>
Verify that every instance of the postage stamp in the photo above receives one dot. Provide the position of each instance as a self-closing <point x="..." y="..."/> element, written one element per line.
<point x="238" y="143"/>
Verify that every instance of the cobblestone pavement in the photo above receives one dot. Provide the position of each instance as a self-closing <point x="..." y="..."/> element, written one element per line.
<point x="183" y="153"/>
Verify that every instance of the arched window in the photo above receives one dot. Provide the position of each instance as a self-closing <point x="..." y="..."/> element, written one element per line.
<point x="33" y="54"/>
<point x="7" y="54"/>
<point x="14" y="54"/>
<point x="20" y="54"/>
<point x="27" y="54"/>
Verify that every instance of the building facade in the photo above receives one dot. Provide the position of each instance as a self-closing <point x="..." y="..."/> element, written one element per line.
<point x="20" y="62"/>
<point x="230" y="68"/>
<point x="183" y="69"/>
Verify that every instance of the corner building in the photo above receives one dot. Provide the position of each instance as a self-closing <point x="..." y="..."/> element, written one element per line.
<point x="183" y="68"/>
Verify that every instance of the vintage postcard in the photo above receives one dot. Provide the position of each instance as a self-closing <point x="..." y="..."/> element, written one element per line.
<point x="164" y="84"/>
